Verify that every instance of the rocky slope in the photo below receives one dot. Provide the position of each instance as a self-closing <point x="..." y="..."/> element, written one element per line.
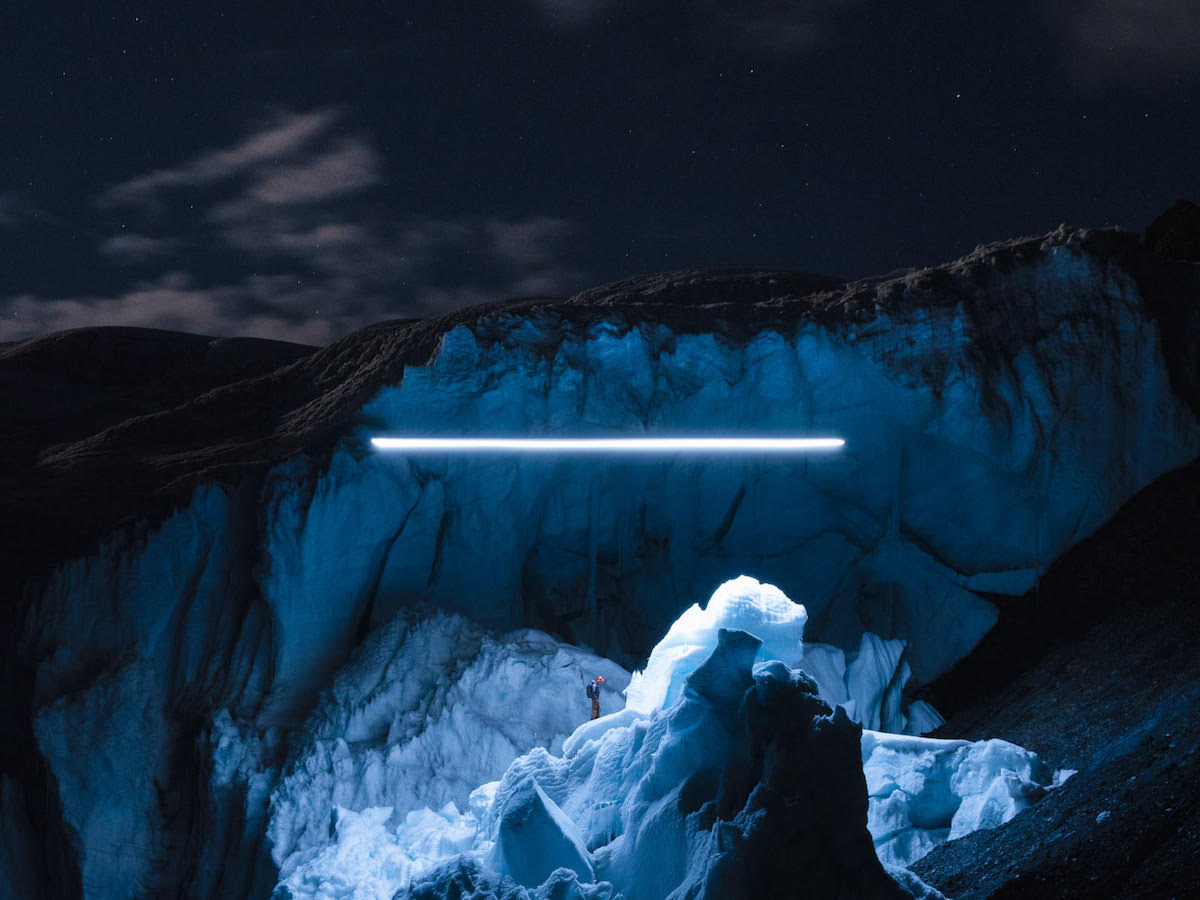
<point x="198" y="530"/>
<point x="1098" y="670"/>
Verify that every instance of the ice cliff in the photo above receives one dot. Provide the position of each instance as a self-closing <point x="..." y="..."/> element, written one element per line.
<point x="189" y="576"/>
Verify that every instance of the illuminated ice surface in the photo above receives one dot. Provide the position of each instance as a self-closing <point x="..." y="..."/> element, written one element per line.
<point x="976" y="453"/>
<point x="924" y="791"/>
<point x="429" y="708"/>
<point x="652" y="800"/>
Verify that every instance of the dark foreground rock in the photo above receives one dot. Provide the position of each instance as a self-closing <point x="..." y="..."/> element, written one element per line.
<point x="1098" y="670"/>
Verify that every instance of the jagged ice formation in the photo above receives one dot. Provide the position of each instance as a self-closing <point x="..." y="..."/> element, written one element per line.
<point x="226" y="554"/>
<point x="723" y="776"/>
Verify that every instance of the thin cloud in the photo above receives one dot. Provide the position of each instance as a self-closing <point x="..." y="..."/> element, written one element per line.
<point x="310" y="245"/>
<point x="133" y="248"/>
<point x="10" y="212"/>
<point x="286" y="135"/>
<point x="770" y="27"/>
<point x="248" y="308"/>
<point x="518" y="256"/>
<point x="780" y="38"/>
<point x="1112" y="41"/>
<point x="572" y="13"/>
<point x="780" y="27"/>
<point x="17" y="213"/>
<point x="350" y="166"/>
<point x="536" y="241"/>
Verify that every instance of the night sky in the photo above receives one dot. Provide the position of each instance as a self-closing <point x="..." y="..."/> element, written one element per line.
<point x="299" y="170"/>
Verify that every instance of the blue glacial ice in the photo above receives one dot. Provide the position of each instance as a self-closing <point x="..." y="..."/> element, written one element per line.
<point x="924" y="791"/>
<point x="430" y="707"/>
<point x="974" y="459"/>
<point x="675" y="794"/>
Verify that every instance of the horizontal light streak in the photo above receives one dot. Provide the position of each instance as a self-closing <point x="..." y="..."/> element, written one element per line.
<point x="610" y="445"/>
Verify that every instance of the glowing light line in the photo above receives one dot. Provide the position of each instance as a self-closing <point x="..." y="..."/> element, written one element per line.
<point x="610" y="445"/>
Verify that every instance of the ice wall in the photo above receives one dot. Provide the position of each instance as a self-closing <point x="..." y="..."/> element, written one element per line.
<point x="962" y="474"/>
<point x="979" y="447"/>
<point x="117" y="726"/>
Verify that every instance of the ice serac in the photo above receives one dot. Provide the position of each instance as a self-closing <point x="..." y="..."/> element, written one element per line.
<point x="743" y="604"/>
<point x="534" y="839"/>
<point x="430" y="707"/>
<point x="243" y="541"/>
<point x="746" y="786"/>
<point x="868" y="683"/>
<point x="924" y="792"/>
<point x="466" y="878"/>
<point x="729" y="776"/>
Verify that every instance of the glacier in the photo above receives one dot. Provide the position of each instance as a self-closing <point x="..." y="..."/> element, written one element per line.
<point x="429" y="708"/>
<point x="996" y="409"/>
<point x="723" y="752"/>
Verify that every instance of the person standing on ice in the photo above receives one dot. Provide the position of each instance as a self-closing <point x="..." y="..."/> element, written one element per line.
<point x="593" y="692"/>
